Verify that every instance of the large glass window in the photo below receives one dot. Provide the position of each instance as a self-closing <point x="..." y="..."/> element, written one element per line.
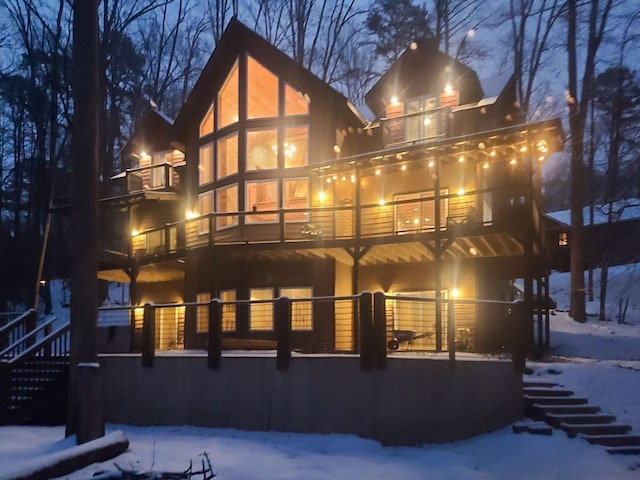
<point x="262" y="196"/>
<point x="301" y="311"/>
<point x="227" y="202"/>
<point x="262" y="91"/>
<point x="227" y="156"/>
<point x="295" y="102"/>
<point x="296" y="196"/>
<point x="205" y="165"/>
<point x="228" y="311"/>
<point x="262" y="149"/>
<point x="295" y="147"/>
<point x="228" y="99"/>
<point x="205" y="207"/>
<point x="416" y="211"/>
<point x="261" y="314"/>
<point x="206" y="126"/>
<point x="202" y="312"/>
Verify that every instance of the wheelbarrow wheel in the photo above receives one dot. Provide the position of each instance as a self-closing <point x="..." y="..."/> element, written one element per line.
<point x="393" y="344"/>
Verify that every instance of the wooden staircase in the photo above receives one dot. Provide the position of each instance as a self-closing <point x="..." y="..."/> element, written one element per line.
<point x="34" y="370"/>
<point x="559" y="408"/>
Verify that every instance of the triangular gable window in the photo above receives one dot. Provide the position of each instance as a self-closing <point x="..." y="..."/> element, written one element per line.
<point x="295" y="102"/>
<point x="262" y="91"/>
<point x="228" y="99"/>
<point x="206" y="127"/>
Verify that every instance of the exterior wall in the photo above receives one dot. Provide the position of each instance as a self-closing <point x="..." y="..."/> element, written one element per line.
<point x="412" y="401"/>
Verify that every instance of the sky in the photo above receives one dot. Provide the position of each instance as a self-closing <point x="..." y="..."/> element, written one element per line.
<point x="599" y="360"/>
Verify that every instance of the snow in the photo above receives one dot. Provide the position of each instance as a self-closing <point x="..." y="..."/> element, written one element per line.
<point x="599" y="360"/>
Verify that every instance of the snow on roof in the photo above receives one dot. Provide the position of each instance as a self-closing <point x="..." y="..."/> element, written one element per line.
<point x="493" y="86"/>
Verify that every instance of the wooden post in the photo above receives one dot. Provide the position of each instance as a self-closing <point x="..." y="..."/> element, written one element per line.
<point x="282" y="320"/>
<point x="451" y="330"/>
<point x="214" y="348"/>
<point x="379" y="331"/>
<point x="148" y="335"/>
<point x="365" y="321"/>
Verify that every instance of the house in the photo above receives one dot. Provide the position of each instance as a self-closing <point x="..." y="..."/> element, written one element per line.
<point x="270" y="183"/>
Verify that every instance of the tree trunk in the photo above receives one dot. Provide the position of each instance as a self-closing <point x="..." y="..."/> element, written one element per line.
<point x="84" y="414"/>
<point x="604" y="279"/>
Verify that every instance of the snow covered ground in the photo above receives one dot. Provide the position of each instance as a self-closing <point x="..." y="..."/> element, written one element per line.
<point x="599" y="360"/>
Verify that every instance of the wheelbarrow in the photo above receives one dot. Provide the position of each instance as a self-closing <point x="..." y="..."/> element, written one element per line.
<point x="405" y="336"/>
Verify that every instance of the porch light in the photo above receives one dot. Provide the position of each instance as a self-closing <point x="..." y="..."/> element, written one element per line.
<point x="541" y="158"/>
<point x="381" y="202"/>
<point x="513" y="161"/>
<point x="344" y="178"/>
<point x="461" y="159"/>
<point x="144" y="154"/>
<point x="135" y="233"/>
<point x="322" y="196"/>
<point x="403" y="167"/>
<point x="430" y="164"/>
<point x="413" y="46"/>
<point x="427" y="121"/>
<point x="336" y="148"/>
<point x="328" y="179"/>
<point x="190" y="215"/>
<point x="473" y="251"/>
<point x="455" y="293"/>
<point x="485" y="165"/>
<point x="523" y="148"/>
<point x="43" y="283"/>
<point x="394" y="101"/>
<point x="377" y="171"/>
<point x="461" y="191"/>
<point x="353" y="179"/>
<point x="448" y="88"/>
<point x="492" y="153"/>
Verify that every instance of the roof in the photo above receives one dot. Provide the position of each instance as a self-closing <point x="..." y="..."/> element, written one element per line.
<point x="237" y="39"/>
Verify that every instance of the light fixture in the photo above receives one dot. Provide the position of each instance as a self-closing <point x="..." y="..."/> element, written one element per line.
<point x="461" y="191"/>
<point x="492" y="153"/>
<point x="485" y="165"/>
<point x="523" y="148"/>
<point x="328" y="179"/>
<point x="473" y="251"/>
<point x="481" y="145"/>
<point x="430" y="164"/>
<point x="321" y="196"/>
<point x="513" y="161"/>
<point x="353" y="179"/>
<point x="135" y="233"/>
<point x="403" y="167"/>
<point x="377" y="171"/>
<point x="413" y="46"/>
<point x="448" y="88"/>
<point x="381" y="202"/>
<point x="336" y="148"/>
<point x="427" y="121"/>
<point x="455" y="293"/>
<point x="461" y="158"/>
<point x="190" y="214"/>
<point x="394" y="101"/>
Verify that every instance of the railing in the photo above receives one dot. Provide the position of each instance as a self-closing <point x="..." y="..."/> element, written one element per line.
<point x="413" y="127"/>
<point x="380" y="219"/>
<point x="371" y="325"/>
<point x="17" y="327"/>
<point x="42" y="341"/>
<point x="153" y="177"/>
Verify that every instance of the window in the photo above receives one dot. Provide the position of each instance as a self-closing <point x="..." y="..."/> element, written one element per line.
<point x="206" y="126"/>
<point x="205" y="207"/>
<point x="262" y="91"/>
<point x="262" y="196"/>
<point x="295" y="147"/>
<point x="226" y="202"/>
<point x="228" y="311"/>
<point x="228" y="99"/>
<point x="160" y="177"/>
<point x="261" y="314"/>
<point x="563" y="239"/>
<point x="416" y="211"/>
<point x="227" y="156"/>
<point x="202" y="312"/>
<point x="295" y="102"/>
<point x="421" y="126"/>
<point x="262" y="149"/>
<point x="301" y="311"/>
<point x="205" y="165"/>
<point x="296" y="196"/>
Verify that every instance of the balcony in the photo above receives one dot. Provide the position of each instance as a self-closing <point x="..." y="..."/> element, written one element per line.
<point x="417" y="126"/>
<point x="161" y="177"/>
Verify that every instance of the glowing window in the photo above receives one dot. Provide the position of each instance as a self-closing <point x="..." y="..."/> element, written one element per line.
<point x="296" y="196"/>
<point x="226" y="203"/>
<point x="262" y="196"/>
<point x="262" y="149"/>
<point x="295" y="102"/>
<point x="301" y="311"/>
<point x="416" y="211"/>
<point x="205" y="165"/>
<point x="295" y="147"/>
<point x="228" y="99"/>
<point x="228" y="311"/>
<point x="205" y="207"/>
<point x="227" y="156"/>
<point x="206" y="126"/>
<point x="262" y="91"/>
<point x="202" y="312"/>
<point x="261" y="314"/>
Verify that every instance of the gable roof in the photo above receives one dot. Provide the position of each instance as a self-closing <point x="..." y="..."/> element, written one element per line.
<point x="406" y="77"/>
<point x="238" y="39"/>
<point x="153" y="132"/>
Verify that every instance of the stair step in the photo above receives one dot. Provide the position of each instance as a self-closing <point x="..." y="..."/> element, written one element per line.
<point x="559" y="400"/>
<point x="626" y="450"/>
<point x="547" y="392"/>
<point x="566" y="409"/>
<point x="595" y="429"/>
<point x="535" y="384"/>
<point x="579" y="419"/>
<point x="613" y="440"/>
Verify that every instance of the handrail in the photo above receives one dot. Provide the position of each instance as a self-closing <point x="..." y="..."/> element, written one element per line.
<point x="43" y="343"/>
<point x="16" y="321"/>
<point x="28" y="336"/>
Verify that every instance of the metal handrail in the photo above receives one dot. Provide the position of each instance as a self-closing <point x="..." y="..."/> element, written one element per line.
<point x="43" y="343"/>
<point x="24" y="340"/>
<point x="16" y="321"/>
